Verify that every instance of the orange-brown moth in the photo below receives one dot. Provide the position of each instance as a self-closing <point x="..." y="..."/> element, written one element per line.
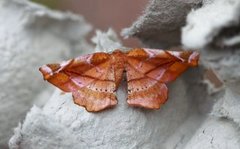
<point x="94" y="78"/>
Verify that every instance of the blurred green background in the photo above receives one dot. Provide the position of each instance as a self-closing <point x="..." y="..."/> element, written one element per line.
<point x="53" y="4"/>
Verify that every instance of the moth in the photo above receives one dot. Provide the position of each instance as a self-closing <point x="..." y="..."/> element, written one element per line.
<point x="94" y="78"/>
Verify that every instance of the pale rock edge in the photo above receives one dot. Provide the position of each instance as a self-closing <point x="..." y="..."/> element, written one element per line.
<point x="30" y="36"/>
<point x="204" y="25"/>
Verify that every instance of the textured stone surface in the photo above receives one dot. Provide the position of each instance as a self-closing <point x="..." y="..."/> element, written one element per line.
<point x="163" y="21"/>
<point x="219" y="27"/>
<point x="106" y="42"/>
<point x="31" y="35"/>
<point x="215" y="133"/>
<point x="160" y="25"/>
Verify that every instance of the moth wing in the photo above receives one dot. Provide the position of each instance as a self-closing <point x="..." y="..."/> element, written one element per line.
<point x="148" y="70"/>
<point x="90" y="78"/>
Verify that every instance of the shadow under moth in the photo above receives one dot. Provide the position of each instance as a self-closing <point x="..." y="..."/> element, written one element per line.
<point x="94" y="78"/>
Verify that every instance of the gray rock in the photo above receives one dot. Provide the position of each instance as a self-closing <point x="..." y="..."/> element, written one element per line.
<point x="106" y="42"/>
<point x="30" y="36"/>
<point x="160" y="25"/>
<point x="216" y="23"/>
<point x="195" y="24"/>
<point x="215" y="133"/>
